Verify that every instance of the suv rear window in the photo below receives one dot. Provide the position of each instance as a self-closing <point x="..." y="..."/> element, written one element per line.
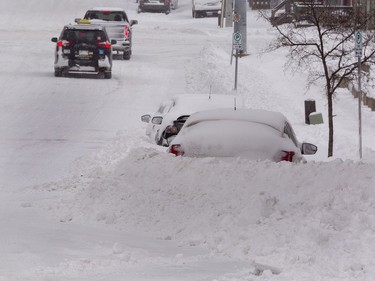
<point x="84" y="36"/>
<point x="106" y="15"/>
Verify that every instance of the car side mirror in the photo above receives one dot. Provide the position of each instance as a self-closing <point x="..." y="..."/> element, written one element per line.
<point x="54" y="39"/>
<point x="146" y="118"/>
<point x="133" y="22"/>
<point x="309" y="148"/>
<point x="157" y="120"/>
<point x="113" y="42"/>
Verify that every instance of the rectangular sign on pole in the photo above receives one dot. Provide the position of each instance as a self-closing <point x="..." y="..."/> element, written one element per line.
<point x="237" y="41"/>
<point x="358" y="43"/>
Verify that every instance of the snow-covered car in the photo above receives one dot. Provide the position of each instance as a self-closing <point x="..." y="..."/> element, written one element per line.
<point x="247" y="133"/>
<point x="117" y="25"/>
<point x="173" y="112"/>
<point x="204" y="8"/>
<point x="83" y="49"/>
<point x="161" y="6"/>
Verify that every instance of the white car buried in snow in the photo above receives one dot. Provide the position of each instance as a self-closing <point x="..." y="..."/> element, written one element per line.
<point x="173" y="112"/>
<point x="246" y="133"/>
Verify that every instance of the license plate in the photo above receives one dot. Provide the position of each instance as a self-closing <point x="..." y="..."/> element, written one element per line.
<point x="66" y="51"/>
<point x="83" y="53"/>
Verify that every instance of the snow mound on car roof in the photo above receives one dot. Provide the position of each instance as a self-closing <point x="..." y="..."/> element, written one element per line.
<point x="275" y="120"/>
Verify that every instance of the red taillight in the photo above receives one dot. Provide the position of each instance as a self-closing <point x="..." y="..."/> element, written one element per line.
<point x="126" y="31"/>
<point x="105" y="45"/>
<point x="288" y="156"/>
<point x="176" y="149"/>
<point x="63" y="43"/>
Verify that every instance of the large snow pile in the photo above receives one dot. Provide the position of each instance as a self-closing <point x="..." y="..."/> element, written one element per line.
<point x="296" y="220"/>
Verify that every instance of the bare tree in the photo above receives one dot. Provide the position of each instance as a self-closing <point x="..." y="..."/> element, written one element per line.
<point x="320" y="38"/>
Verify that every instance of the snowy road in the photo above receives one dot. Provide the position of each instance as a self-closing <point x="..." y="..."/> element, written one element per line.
<point x="47" y="123"/>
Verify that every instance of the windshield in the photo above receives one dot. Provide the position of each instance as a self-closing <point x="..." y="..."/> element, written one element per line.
<point x="84" y="36"/>
<point x="106" y="15"/>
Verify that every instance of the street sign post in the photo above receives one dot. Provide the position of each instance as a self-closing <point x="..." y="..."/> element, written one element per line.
<point x="358" y="53"/>
<point x="239" y="32"/>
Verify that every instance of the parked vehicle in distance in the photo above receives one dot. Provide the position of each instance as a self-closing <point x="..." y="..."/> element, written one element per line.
<point x="165" y="123"/>
<point x="247" y="133"/>
<point x="83" y="49"/>
<point x="118" y="27"/>
<point x="174" y="4"/>
<point x="160" y="6"/>
<point x="205" y="8"/>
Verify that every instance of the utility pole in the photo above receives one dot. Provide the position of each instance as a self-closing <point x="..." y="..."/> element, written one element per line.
<point x="239" y="33"/>
<point x="358" y="53"/>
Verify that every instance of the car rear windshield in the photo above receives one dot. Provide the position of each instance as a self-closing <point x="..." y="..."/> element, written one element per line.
<point x="84" y="36"/>
<point x="106" y="15"/>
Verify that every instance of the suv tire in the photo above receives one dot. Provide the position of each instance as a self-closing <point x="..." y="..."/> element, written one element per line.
<point x="127" y="55"/>
<point x="108" y="74"/>
<point x="58" y="72"/>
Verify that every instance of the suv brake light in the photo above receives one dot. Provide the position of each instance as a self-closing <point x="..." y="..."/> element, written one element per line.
<point x="288" y="156"/>
<point x="63" y="43"/>
<point x="105" y="45"/>
<point x="176" y="149"/>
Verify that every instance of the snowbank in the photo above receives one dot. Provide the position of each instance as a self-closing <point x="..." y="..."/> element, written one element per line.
<point x="300" y="219"/>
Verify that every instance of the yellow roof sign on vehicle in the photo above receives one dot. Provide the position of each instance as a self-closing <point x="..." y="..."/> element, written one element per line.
<point x="82" y="21"/>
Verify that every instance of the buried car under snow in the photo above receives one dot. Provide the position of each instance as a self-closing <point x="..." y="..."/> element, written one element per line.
<point x="246" y="133"/>
<point x="165" y="123"/>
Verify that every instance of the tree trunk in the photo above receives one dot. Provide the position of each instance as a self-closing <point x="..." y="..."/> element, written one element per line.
<point x="330" y="124"/>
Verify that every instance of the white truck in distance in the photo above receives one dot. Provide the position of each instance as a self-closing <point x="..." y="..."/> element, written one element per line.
<point x="117" y="25"/>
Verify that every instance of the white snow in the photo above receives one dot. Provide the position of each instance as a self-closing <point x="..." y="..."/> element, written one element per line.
<point x="86" y="196"/>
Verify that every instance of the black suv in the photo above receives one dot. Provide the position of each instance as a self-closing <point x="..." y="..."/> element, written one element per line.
<point x="83" y="49"/>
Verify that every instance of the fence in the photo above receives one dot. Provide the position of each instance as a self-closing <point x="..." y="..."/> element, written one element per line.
<point x="367" y="101"/>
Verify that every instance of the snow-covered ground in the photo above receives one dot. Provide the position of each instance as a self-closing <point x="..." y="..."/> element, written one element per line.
<point x="86" y="196"/>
